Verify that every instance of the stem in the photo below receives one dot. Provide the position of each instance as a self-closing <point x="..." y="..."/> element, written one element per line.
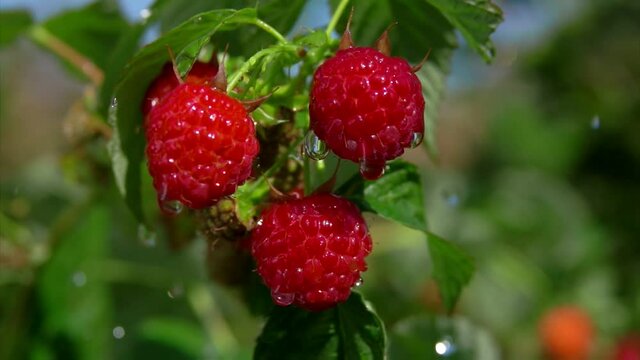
<point x="60" y="48"/>
<point x="235" y="79"/>
<point x="268" y="28"/>
<point x="336" y="16"/>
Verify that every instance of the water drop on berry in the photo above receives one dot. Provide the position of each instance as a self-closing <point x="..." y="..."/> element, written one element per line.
<point x="416" y="139"/>
<point x="171" y="207"/>
<point x="315" y="148"/>
<point x="371" y="171"/>
<point x="358" y="282"/>
<point x="147" y="237"/>
<point x="282" y="299"/>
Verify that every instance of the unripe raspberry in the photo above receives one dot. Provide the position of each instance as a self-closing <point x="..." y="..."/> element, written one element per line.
<point x="201" y="144"/>
<point x="566" y="333"/>
<point x="367" y="107"/>
<point x="310" y="251"/>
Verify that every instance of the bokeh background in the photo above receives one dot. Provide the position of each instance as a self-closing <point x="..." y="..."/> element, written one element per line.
<point x="538" y="179"/>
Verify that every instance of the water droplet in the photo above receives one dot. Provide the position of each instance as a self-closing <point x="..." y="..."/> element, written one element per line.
<point x="315" y="148"/>
<point x="147" y="237"/>
<point x="145" y="14"/>
<point x="171" y="207"/>
<point x="595" y="122"/>
<point x="445" y="347"/>
<point x="118" y="332"/>
<point x="351" y="145"/>
<point x="79" y="278"/>
<point x="371" y="171"/>
<point x="282" y="299"/>
<point x="416" y="139"/>
<point x="176" y="291"/>
<point x="114" y="103"/>
<point x="358" y="282"/>
<point x="198" y="19"/>
<point x="453" y="199"/>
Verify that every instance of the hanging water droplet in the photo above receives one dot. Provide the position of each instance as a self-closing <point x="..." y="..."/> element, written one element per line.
<point x="282" y="299"/>
<point x="147" y="237"/>
<point x="416" y="139"/>
<point x="371" y="171"/>
<point x="358" y="282"/>
<point x="79" y="278"/>
<point x="595" y="122"/>
<point x="445" y="347"/>
<point x="176" y="291"/>
<point x="118" y="332"/>
<point x="315" y="148"/>
<point x="171" y="207"/>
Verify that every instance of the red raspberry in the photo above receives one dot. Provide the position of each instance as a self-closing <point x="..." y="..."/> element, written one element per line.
<point x="310" y="251"/>
<point x="201" y="73"/>
<point x="367" y="107"/>
<point x="200" y="145"/>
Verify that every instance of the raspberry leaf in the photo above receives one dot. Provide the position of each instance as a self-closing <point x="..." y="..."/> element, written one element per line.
<point x="452" y="268"/>
<point x="397" y="195"/>
<point x="350" y="330"/>
<point x="476" y="20"/>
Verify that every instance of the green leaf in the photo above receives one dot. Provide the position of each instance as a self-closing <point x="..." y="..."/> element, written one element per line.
<point x="348" y="331"/>
<point x="398" y="195"/>
<point x="73" y="298"/>
<point x="475" y="19"/>
<point x="452" y="268"/>
<point x="127" y="144"/>
<point x="91" y="31"/>
<point x="433" y="78"/>
<point x="14" y="23"/>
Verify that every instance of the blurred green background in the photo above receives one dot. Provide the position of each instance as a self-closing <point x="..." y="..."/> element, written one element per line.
<point x="538" y="179"/>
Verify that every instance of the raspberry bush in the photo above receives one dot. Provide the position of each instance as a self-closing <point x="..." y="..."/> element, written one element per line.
<point x="230" y="125"/>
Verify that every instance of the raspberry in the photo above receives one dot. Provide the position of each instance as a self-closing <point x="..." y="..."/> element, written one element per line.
<point x="367" y="107"/>
<point x="201" y="73"/>
<point x="200" y="145"/>
<point x="310" y="251"/>
<point x="566" y="333"/>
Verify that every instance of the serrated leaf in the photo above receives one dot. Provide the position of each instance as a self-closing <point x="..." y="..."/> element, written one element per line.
<point x="475" y="19"/>
<point x="398" y="195"/>
<point x="91" y="31"/>
<point x="452" y="268"/>
<point x="348" y="331"/>
<point x="14" y="23"/>
<point x="127" y="144"/>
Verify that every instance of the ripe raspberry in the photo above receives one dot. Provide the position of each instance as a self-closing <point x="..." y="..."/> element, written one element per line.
<point x="310" y="251"/>
<point x="367" y="107"/>
<point x="200" y="145"/>
<point x="566" y="333"/>
<point x="201" y="74"/>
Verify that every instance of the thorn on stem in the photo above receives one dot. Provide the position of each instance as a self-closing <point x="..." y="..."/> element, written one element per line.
<point x="421" y="63"/>
<point x="172" y="56"/>
<point x="346" y="41"/>
<point x="383" y="44"/>
<point x="220" y="80"/>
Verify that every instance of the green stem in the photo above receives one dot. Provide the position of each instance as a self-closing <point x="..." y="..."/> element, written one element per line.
<point x="269" y="29"/>
<point x="336" y="16"/>
<point x="235" y="78"/>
